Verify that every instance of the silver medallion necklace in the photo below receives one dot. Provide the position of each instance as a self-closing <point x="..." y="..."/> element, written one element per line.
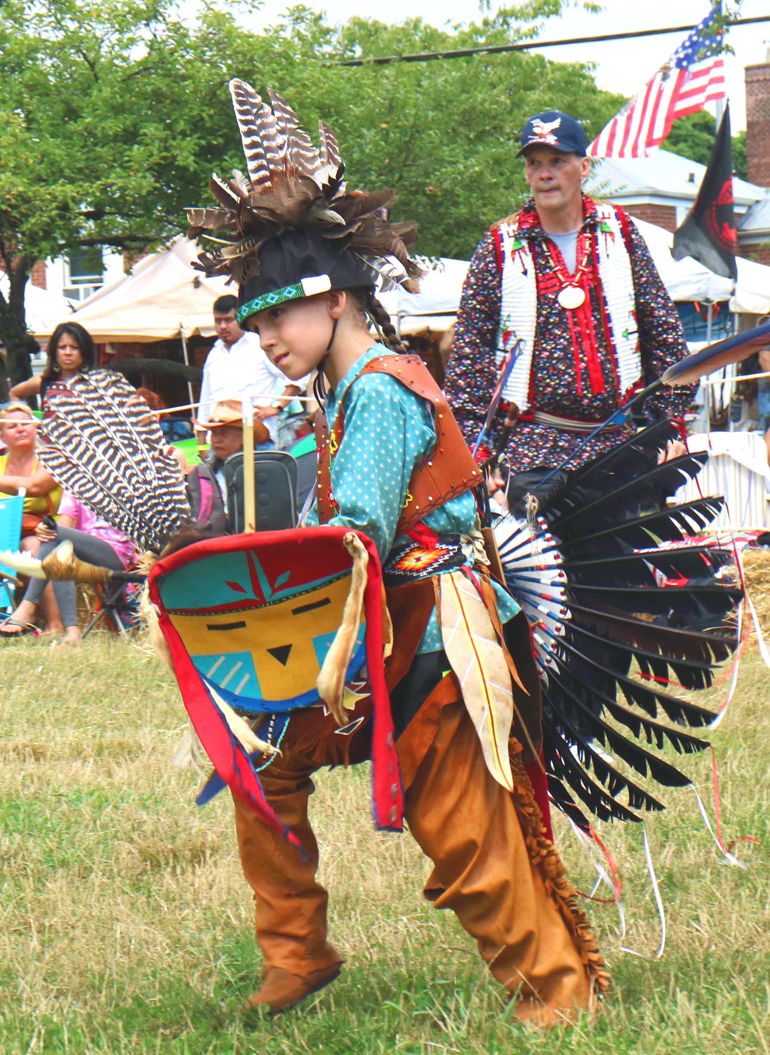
<point x="571" y="295"/>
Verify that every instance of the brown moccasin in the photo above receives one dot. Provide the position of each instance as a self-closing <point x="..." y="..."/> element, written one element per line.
<point x="281" y="989"/>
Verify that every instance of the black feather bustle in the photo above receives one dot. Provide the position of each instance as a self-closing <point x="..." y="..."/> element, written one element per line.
<point x="637" y="569"/>
<point x="695" y="598"/>
<point x="624" y="604"/>
<point x="649" y="529"/>
<point x="600" y="801"/>
<point x="624" y="462"/>
<point x="638" y="493"/>
<point x="562" y="799"/>
<point x="636" y="756"/>
<point x="690" y="645"/>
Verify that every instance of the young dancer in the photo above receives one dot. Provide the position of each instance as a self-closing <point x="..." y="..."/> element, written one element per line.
<point x="275" y="637"/>
<point x="394" y="466"/>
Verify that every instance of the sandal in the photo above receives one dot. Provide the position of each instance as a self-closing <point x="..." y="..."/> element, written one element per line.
<point x="25" y="628"/>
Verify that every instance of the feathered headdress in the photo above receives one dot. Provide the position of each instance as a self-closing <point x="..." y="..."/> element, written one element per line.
<point x="288" y="227"/>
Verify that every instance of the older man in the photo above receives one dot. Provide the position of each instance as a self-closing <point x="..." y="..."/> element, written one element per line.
<point x="206" y="485"/>
<point x="572" y="281"/>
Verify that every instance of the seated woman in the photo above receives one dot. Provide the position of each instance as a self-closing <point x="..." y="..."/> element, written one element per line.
<point x="21" y="472"/>
<point x="94" y="541"/>
<point x="70" y="352"/>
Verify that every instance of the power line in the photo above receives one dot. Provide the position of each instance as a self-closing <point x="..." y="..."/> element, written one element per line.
<point x="497" y="49"/>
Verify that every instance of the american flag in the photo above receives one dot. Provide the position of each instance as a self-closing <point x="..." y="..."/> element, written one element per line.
<point x="692" y="77"/>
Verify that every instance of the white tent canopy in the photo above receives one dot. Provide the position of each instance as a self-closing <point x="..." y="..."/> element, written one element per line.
<point x="44" y="310"/>
<point x="436" y="304"/>
<point x="162" y="298"/>
<point x="686" y="279"/>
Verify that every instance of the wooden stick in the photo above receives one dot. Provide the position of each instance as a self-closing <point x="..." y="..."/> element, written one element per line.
<point x="734" y="379"/>
<point x="264" y="402"/>
<point x="249" y="497"/>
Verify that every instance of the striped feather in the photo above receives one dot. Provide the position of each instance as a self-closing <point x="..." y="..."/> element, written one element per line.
<point x="330" y="151"/>
<point x="390" y="270"/>
<point x="211" y="219"/>
<point x="225" y="194"/>
<point x="103" y="444"/>
<point x="286" y="121"/>
<point x="259" y="136"/>
<point x="292" y="184"/>
<point x="303" y="156"/>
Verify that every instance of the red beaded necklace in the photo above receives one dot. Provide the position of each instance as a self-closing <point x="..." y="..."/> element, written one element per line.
<point x="571" y="294"/>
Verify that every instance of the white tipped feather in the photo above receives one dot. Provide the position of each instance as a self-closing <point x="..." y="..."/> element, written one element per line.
<point x="22" y="562"/>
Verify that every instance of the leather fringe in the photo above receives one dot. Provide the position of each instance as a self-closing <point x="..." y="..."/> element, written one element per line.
<point x="545" y="857"/>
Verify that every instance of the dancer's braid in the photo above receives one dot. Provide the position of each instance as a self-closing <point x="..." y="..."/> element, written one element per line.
<point x="385" y="327"/>
<point x="319" y="387"/>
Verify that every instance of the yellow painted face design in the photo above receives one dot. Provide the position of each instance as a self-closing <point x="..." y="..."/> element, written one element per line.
<point x="268" y="658"/>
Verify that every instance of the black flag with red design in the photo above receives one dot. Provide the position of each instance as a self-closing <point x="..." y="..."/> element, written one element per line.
<point x="708" y="233"/>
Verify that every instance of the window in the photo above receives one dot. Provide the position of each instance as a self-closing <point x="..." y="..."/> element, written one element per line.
<point x="84" y="272"/>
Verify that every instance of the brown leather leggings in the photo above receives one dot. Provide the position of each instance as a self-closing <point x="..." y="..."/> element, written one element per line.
<point x="481" y="843"/>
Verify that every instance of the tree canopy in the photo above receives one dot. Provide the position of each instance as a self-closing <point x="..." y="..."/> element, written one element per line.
<point x="115" y="113"/>
<point x="693" y="137"/>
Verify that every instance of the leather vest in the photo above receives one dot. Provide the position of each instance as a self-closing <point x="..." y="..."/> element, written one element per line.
<point x="447" y="471"/>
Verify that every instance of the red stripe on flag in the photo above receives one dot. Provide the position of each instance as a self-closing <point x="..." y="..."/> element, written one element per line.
<point x="646" y="122"/>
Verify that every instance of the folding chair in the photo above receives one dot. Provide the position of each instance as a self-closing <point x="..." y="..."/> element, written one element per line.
<point x="111" y="606"/>
<point x="275" y="487"/>
<point x="11" y="510"/>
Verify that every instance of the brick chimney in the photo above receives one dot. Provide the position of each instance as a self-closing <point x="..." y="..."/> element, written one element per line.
<point x="38" y="276"/>
<point x="758" y="122"/>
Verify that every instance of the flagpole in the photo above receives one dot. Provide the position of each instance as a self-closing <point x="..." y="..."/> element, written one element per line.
<point x="707" y="391"/>
<point x="716" y="6"/>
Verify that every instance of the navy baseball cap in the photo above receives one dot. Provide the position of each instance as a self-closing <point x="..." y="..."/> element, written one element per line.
<point x="552" y="128"/>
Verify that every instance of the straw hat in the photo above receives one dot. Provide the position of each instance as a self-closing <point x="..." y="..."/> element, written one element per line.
<point x="230" y="412"/>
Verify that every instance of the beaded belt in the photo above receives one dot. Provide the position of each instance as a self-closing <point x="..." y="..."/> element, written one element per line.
<point x="539" y="417"/>
<point x="412" y="560"/>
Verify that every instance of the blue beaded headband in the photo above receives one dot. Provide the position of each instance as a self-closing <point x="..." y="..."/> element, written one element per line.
<point x="306" y="287"/>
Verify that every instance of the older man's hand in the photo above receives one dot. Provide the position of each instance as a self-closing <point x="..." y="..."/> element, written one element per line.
<point x="673" y="449"/>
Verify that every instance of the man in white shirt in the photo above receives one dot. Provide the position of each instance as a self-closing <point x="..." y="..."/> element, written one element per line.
<point x="236" y="367"/>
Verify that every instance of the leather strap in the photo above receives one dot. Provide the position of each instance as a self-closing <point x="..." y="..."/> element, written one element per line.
<point x="448" y="470"/>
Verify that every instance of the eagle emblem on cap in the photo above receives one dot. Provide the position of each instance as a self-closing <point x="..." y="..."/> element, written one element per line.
<point x="544" y="129"/>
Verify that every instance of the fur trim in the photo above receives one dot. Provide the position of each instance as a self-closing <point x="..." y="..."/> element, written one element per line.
<point x="331" y="677"/>
<point x="63" y="564"/>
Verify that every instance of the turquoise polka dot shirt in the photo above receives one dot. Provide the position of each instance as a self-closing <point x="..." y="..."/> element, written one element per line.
<point x="388" y="430"/>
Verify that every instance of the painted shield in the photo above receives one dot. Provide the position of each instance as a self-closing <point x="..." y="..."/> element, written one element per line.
<point x="248" y="620"/>
<point x="256" y="627"/>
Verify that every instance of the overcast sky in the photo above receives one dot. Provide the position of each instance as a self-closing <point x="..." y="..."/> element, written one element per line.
<point x="621" y="66"/>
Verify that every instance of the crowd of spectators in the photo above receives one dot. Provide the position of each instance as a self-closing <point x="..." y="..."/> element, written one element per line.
<point x="236" y="370"/>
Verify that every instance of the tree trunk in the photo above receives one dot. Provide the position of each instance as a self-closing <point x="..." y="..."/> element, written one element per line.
<point x="19" y="344"/>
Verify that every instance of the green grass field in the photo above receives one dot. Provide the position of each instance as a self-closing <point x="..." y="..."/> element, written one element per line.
<point x="125" y="925"/>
